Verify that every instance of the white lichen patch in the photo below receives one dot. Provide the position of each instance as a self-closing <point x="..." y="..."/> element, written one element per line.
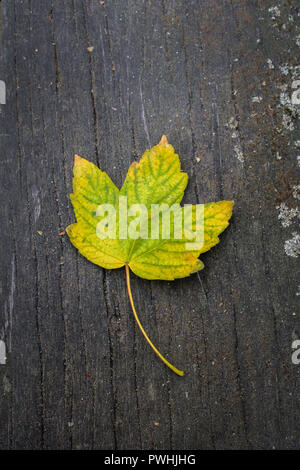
<point x="296" y="191"/>
<point x="233" y="124"/>
<point x="284" y="96"/>
<point x="284" y="69"/>
<point x="256" y="99"/>
<point x="287" y="122"/>
<point x="287" y="214"/>
<point x="292" y="246"/>
<point x="237" y="147"/>
<point x="2" y="353"/>
<point x="275" y="12"/>
<point x="239" y="153"/>
<point x="290" y="96"/>
<point x="293" y="70"/>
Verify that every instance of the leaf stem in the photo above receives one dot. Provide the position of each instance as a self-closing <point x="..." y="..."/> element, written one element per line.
<point x="174" y="369"/>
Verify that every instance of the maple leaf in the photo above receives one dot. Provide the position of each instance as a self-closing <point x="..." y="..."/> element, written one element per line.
<point x="145" y="243"/>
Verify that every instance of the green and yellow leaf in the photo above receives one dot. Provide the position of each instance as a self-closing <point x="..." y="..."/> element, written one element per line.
<point x="157" y="179"/>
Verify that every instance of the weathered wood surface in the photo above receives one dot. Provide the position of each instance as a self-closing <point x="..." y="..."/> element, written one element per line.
<point x="208" y="74"/>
